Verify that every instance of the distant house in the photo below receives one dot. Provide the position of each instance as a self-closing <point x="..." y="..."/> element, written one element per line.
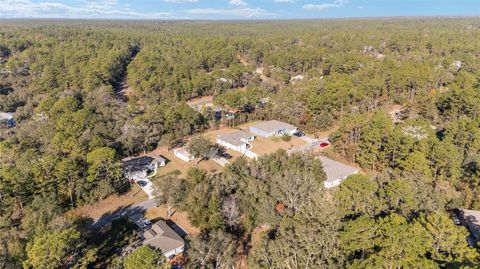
<point x="183" y="154"/>
<point x="139" y="167"/>
<point x="7" y="120"/>
<point x="164" y="238"/>
<point x="335" y="171"/>
<point x="238" y="140"/>
<point x="206" y="102"/>
<point x="273" y="128"/>
<point x="297" y="78"/>
<point x="471" y="219"/>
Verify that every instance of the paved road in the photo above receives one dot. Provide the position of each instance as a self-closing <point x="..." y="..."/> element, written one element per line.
<point x="134" y="212"/>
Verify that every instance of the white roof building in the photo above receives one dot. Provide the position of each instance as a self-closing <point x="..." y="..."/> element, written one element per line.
<point x="7" y="119"/>
<point x="238" y="140"/>
<point x="273" y="128"/>
<point x="183" y="154"/>
<point x="335" y="171"/>
<point x="471" y="219"/>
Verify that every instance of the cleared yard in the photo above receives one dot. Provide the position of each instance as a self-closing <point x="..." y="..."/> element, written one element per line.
<point x="267" y="145"/>
<point x="111" y="204"/>
<point x="176" y="164"/>
<point x="179" y="217"/>
<point x="261" y="145"/>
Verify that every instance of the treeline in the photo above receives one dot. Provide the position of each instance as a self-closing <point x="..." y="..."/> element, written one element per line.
<point x="61" y="80"/>
<point x="275" y="213"/>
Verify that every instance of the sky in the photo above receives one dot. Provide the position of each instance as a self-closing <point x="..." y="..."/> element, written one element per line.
<point x="233" y="9"/>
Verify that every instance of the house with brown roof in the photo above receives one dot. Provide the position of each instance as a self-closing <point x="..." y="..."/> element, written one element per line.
<point x="160" y="236"/>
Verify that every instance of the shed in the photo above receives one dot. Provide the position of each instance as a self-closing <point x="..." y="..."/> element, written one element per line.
<point x="183" y="154"/>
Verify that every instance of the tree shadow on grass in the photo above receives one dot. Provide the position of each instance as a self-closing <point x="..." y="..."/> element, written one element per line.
<point x="129" y="211"/>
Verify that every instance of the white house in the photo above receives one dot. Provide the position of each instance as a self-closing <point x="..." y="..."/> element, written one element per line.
<point x="183" y="154"/>
<point x="164" y="238"/>
<point x="297" y="78"/>
<point x="273" y="128"/>
<point x="7" y="119"/>
<point x="138" y="168"/>
<point x="238" y="140"/>
<point x="335" y="171"/>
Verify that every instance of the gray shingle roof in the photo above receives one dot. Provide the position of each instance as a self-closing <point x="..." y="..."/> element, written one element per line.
<point x="142" y="163"/>
<point x="162" y="237"/>
<point x="336" y="170"/>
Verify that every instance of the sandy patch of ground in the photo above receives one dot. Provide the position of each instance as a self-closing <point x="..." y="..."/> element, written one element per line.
<point x="179" y="217"/>
<point x="258" y="232"/>
<point x="205" y="100"/>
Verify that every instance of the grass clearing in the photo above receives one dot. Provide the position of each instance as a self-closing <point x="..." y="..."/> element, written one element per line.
<point x="175" y="164"/>
<point x="111" y="204"/>
<point x="179" y="217"/>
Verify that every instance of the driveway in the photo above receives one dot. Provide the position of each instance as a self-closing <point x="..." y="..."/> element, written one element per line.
<point x="147" y="186"/>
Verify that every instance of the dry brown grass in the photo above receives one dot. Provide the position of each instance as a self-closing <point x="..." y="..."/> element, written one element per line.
<point x="200" y="101"/>
<point x="179" y="217"/>
<point x="110" y="204"/>
<point x="176" y="164"/>
<point x="267" y="145"/>
<point x="261" y="145"/>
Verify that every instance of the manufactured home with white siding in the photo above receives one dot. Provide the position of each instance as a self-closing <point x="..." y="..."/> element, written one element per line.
<point x="238" y="140"/>
<point x="273" y="128"/>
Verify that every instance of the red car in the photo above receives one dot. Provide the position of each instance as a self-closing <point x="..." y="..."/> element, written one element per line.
<point x="324" y="145"/>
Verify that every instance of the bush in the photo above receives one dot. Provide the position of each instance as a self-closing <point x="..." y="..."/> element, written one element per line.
<point x="286" y="137"/>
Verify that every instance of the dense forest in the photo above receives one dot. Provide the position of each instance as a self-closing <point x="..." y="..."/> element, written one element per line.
<point x="86" y="94"/>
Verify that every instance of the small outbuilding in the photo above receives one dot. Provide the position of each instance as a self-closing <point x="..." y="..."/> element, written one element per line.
<point x="335" y="171"/>
<point x="137" y="168"/>
<point x="7" y="120"/>
<point x="273" y="128"/>
<point x="160" y="236"/>
<point x="238" y="140"/>
<point x="183" y="154"/>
